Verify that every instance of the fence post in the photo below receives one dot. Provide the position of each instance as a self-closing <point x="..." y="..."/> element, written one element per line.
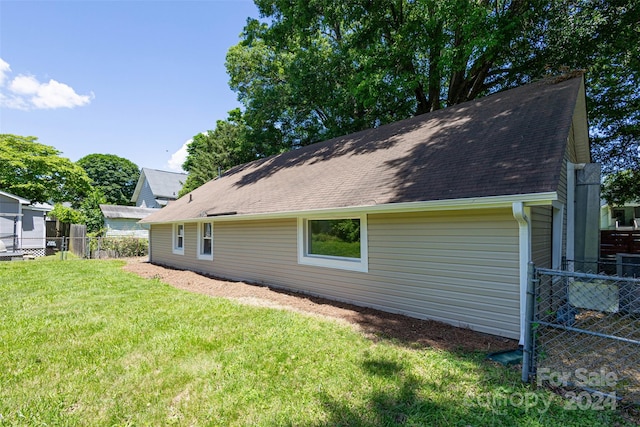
<point x="527" y="353"/>
<point x="63" y="247"/>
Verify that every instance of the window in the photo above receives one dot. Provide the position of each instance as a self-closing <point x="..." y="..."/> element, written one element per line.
<point x="333" y="242"/>
<point x="178" y="239"/>
<point x="205" y="241"/>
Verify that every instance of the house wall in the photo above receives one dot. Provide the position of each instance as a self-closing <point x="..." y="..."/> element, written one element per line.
<point x="541" y="235"/>
<point x="612" y="218"/>
<point x="458" y="267"/>
<point x="33" y="230"/>
<point x="117" y="227"/>
<point x="9" y="208"/>
<point x="8" y="205"/>
<point x="146" y="196"/>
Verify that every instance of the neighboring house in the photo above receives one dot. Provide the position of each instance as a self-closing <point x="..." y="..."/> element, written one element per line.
<point x="625" y="217"/>
<point x="22" y="226"/>
<point x="156" y="188"/>
<point x="122" y="221"/>
<point x="435" y="217"/>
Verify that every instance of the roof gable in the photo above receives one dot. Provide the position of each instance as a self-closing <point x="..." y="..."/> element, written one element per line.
<point x="508" y="143"/>
<point x="163" y="184"/>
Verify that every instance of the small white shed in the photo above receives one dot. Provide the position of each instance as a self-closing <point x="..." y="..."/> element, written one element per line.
<point x="123" y="220"/>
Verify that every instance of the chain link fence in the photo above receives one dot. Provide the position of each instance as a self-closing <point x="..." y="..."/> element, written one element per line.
<point x="585" y="336"/>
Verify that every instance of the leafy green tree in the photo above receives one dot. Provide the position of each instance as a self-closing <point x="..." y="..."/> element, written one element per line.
<point x="115" y="176"/>
<point x="321" y="69"/>
<point x="602" y="37"/>
<point x="66" y="214"/>
<point x="90" y="209"/>
<point x="37" y="172"/>
<point x="215" y="151"/>
<point x="311" y="70"/>
<point x="621" y="187"/>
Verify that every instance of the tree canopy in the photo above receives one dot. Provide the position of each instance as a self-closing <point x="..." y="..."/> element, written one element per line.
<point x="311" y="70"/>
<point x="90" y="209"/>
<point x="37" y="172"/>
<point x="66" y="214"/>
<point x="215" y="151"/>
<point x="115" y="176"/>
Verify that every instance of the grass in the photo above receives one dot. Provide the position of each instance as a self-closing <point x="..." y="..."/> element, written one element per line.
<point x="84" y="343"/>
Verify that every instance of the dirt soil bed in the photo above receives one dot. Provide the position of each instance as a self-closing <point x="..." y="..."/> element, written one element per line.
<point x="374" y="323"/>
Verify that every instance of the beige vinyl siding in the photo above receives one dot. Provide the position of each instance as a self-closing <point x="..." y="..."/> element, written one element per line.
<point x="457" y="267"/>
<point x="541" y="235"/>
<point x="571" y="146"/>
<point x="562" y="192"/>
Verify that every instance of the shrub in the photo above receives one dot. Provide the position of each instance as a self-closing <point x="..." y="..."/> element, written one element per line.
<point x="121" y="247"/>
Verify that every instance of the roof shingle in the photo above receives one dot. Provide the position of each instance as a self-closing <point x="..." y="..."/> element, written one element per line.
<point x="508" y="143"/>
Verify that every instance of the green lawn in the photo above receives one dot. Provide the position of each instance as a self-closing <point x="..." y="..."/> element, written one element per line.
<point x="85" y="343"/>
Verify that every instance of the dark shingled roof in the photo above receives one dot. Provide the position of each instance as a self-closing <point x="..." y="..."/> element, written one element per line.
<point x="508" y="143"/>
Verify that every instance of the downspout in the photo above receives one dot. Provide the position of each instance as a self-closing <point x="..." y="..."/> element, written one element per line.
<point x="521" y="214"/>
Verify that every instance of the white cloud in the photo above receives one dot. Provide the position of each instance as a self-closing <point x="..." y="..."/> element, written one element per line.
<point x="58" y="95"/>
<point x="5" y="69"/>
<point x="24" y="85"/>
<point x="27" y="93"/>
<point x="178" y="158"/>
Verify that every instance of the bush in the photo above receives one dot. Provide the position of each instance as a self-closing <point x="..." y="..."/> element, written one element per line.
<point x="120" y="247"/>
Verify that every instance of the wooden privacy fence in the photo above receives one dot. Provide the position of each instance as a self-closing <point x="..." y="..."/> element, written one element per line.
<point x="614" y="242"/>
<point x="78" y="240"/>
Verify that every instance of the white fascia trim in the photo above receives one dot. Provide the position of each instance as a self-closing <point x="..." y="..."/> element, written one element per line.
<point x="138" y="189"/>
<point x="522" y="214"/>
<point x="535" y="199"/>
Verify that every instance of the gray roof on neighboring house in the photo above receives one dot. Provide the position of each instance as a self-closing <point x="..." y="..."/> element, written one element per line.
<point x="45" y="207"/>
<point x="132" y="212"/>
<point x="508" y="143"/>
<point x="164" y="184"/>
<point x="19" y="199"/>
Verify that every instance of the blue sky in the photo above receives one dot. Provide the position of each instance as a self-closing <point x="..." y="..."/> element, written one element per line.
<point x="132" y="78"/>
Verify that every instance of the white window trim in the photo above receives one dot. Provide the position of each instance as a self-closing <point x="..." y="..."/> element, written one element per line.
<point x="205" y="257"/>
<point x="343" y="263"/>
<point x="174" y="240"/>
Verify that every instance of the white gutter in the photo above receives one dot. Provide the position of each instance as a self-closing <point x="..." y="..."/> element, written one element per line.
<point x="522" y="213"/>
<point x="534" y="199"/>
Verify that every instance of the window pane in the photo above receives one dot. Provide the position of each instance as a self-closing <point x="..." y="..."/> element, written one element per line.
<point x="207" y="230"/>
<point x="206" y="247"/>
<point x="179" y="242"/>
<point x="340" y="237"/>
